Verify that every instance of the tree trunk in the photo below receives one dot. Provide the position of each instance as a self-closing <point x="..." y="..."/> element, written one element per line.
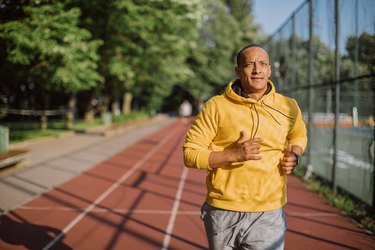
<point x="43" y="122"/>
<point x="105" y="102"/>
<point x="70" y="113"/>
<point x="44" y="118"/>
<point x="89" y="114"/>
<point x="126" y="106"/>
<point x="115" y="107"/>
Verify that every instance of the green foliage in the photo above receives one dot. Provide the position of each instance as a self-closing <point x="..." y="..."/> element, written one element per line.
<point x="132" y="116"/>
<point x="224" y="28"/>
<point x="361" y="49"/>
<point x="144" y="47"/>
<point x="249" y="31"/>
<point x="59" y="55"/>
<point x="21" y="131"/>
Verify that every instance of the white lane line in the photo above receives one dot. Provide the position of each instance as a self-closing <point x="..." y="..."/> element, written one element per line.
<point x="167" y="237"/>
<point x="307" y="214"/>
<point x="159" y="211"/>
<point x="110" y="210"/>
<point x="109" y="190"/>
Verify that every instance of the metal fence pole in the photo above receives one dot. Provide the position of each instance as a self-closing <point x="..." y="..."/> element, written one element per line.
<point x="337" y="93"/>
<point x="310" y="82"/>
<point x="356" y="54"/>
<point x="292" y="56"/>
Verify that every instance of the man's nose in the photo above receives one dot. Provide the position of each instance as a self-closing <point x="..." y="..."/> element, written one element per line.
<point x="256" y="67"/>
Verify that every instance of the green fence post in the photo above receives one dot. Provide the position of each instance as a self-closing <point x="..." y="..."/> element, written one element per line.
<point x="4" y="139"/>
<point x="107" y="118"/>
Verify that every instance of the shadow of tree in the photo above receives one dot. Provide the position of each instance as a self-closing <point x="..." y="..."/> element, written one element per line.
<point x="18" y="232"/>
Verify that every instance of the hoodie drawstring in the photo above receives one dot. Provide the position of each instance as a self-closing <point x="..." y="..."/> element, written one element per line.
<point x="252" y="117"/>
<point x="278" y="111"/>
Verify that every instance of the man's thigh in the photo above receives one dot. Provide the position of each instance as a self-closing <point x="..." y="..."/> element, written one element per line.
<point x="220" y="227"/>
<point x="228" y="230"/>
<point x="268" y="232"/>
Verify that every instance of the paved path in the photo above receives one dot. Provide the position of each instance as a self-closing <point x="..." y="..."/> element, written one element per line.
<point x="129" y="190"/>
<point x="53" y="161"/>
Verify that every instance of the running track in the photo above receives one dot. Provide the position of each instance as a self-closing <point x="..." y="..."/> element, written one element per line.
<point x="143" y="198"/>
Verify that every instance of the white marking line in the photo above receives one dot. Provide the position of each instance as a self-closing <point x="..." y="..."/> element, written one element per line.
<point x="148" y="211"/>
<point x="167" y="237"/>
<point x="107" y="210"/>
<point x="108" y="191"/>
<point x="305" y="214"/>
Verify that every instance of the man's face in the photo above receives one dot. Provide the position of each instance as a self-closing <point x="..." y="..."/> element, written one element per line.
<point x="253" y="70"/>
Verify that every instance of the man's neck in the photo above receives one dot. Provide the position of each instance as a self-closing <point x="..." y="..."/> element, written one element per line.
<point x="257" y="95"/>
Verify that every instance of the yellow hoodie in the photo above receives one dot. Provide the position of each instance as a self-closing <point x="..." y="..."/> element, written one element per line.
<point x="255" y="185"/>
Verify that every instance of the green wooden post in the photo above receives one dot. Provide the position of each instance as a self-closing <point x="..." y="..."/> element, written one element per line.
<point x="4" y="139"/>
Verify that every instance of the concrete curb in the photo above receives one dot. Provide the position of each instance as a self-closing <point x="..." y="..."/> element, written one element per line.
<point x="102" y="130"/>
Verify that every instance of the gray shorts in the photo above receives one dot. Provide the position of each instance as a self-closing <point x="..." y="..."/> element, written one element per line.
<point x="229" y="230"/>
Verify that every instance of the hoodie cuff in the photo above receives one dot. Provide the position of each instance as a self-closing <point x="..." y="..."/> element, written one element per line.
<point x="202" y="159"/>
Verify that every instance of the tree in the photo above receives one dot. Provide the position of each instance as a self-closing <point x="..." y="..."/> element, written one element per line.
<point x="225" y="27"/>
<point x="359" y="61"/>
<point x="145" y="46"/>
<point x="241" y="10"/>
<point x="58" y="54"/>
<point x="362" y="48"/>
<point x="148" y="48"/>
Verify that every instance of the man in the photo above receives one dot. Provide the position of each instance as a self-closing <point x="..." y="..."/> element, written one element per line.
<point x="185" y="110"/>
<point x="248" y="140"/>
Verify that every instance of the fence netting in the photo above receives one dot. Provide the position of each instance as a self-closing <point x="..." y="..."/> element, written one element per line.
<point x="324" y="57"/>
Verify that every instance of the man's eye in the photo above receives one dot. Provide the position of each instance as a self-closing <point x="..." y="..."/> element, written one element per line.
<point x="252" y="64"/>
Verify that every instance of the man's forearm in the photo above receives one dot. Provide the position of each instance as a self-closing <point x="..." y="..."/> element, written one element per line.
<point x="243" y="150"/>
<point x="219" y="158"/>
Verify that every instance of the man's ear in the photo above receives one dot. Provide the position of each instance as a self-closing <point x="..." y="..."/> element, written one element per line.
<point x="269" y="75"/>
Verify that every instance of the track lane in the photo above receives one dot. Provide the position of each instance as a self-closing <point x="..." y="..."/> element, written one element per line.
<point x="136" y="214"/>
<point x="130" y="201"/>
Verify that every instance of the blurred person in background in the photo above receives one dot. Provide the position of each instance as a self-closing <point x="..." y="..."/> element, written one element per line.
<point x="185" y="110"/>
<point x="248" y="140"/>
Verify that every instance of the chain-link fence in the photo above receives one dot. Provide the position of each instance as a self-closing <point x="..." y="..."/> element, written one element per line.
<point x="324" y="57"/>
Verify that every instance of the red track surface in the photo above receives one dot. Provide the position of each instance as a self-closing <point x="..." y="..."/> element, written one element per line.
<point x="143" y="199"/>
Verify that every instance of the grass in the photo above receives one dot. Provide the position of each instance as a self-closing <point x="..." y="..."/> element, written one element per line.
<point x="27" y="130"/>
<point x="22" y="131"/>
<point x="346" y="203"/>
<point x="120" y="119"/>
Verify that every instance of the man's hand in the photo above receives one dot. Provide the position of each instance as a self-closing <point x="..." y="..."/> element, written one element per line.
<point x="289" y="161"/>
<point x="245" y="150"/>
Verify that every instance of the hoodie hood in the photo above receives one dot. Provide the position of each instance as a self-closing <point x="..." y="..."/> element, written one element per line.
<point x="235" y="93"/>
<point x="267" y="102"/>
